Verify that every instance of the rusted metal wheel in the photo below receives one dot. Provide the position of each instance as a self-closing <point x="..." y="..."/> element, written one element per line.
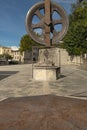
<point x="58" y="26"/>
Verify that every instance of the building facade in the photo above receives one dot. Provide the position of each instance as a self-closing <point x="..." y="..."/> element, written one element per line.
<point x="15" y="53"/>
<point x="5" y="50"/>
<point x="12" y="51"/>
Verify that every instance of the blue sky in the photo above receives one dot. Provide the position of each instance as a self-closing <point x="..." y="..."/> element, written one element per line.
<point x="12" y="19"/>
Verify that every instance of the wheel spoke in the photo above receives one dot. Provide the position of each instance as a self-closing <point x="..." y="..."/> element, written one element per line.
<point x="58" y="21"/>
<point x="38" y="25"/>
<point x="39" y="15"/>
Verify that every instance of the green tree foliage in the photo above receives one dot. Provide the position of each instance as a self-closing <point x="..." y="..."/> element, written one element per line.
<point x="75" y="41"/>
<point x="26" y="43"/>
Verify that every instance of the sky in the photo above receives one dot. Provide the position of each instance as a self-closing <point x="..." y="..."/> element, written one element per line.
<point x="13" y="15"/>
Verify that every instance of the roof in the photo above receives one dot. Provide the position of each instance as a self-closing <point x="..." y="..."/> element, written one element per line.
<point x="14" y="48"/>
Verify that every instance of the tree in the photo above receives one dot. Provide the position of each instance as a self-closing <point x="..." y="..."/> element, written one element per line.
<point x="6" y="56"/>
<point x="75" y="41"/>
<point x="26" y="43"/>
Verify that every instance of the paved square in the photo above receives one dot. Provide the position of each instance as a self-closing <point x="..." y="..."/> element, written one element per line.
<point x="73" y="82"/>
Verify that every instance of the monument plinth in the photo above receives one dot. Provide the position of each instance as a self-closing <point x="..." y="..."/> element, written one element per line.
<point x="46" y="73"/>
<point x="49" y="30"/>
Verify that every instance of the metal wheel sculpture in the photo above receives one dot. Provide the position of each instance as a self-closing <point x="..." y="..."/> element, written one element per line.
<point x="58" y="23"/>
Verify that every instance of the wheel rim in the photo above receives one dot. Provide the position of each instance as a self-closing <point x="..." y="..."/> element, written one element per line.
<point x="55" y="35"/>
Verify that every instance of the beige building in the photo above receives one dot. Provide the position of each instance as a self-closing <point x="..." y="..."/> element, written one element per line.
<point x="25" y="57"/>
<point x="5" y="50"/>
<point x="15" y="53"/>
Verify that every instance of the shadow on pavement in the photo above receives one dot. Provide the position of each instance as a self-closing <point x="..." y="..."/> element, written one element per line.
<point x="5" y="74"/>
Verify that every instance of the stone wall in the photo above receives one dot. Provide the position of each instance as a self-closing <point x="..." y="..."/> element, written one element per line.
<point x="66" y="59"/>
<point x="57" y="57"/>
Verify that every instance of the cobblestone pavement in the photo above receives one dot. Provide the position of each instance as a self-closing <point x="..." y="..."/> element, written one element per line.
<point x="17" y="82"/>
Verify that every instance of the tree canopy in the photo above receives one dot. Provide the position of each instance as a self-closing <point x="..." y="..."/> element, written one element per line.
<point x="75" y="41"/>
<point x="26" y="43"/>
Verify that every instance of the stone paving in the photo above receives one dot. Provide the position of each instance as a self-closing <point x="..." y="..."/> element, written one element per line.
<point x="73" y="82"/>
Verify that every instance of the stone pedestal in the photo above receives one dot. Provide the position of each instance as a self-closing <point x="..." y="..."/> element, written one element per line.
<point x="46" y="73"/>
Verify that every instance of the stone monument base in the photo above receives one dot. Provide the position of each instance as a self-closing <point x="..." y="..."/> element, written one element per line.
<point x="46" y="73"/>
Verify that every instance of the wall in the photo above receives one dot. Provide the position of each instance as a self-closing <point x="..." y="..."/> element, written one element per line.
<point x="57" y="57"/>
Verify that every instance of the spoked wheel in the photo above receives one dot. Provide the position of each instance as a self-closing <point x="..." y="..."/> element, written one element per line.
<point x="35" y="23"/>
